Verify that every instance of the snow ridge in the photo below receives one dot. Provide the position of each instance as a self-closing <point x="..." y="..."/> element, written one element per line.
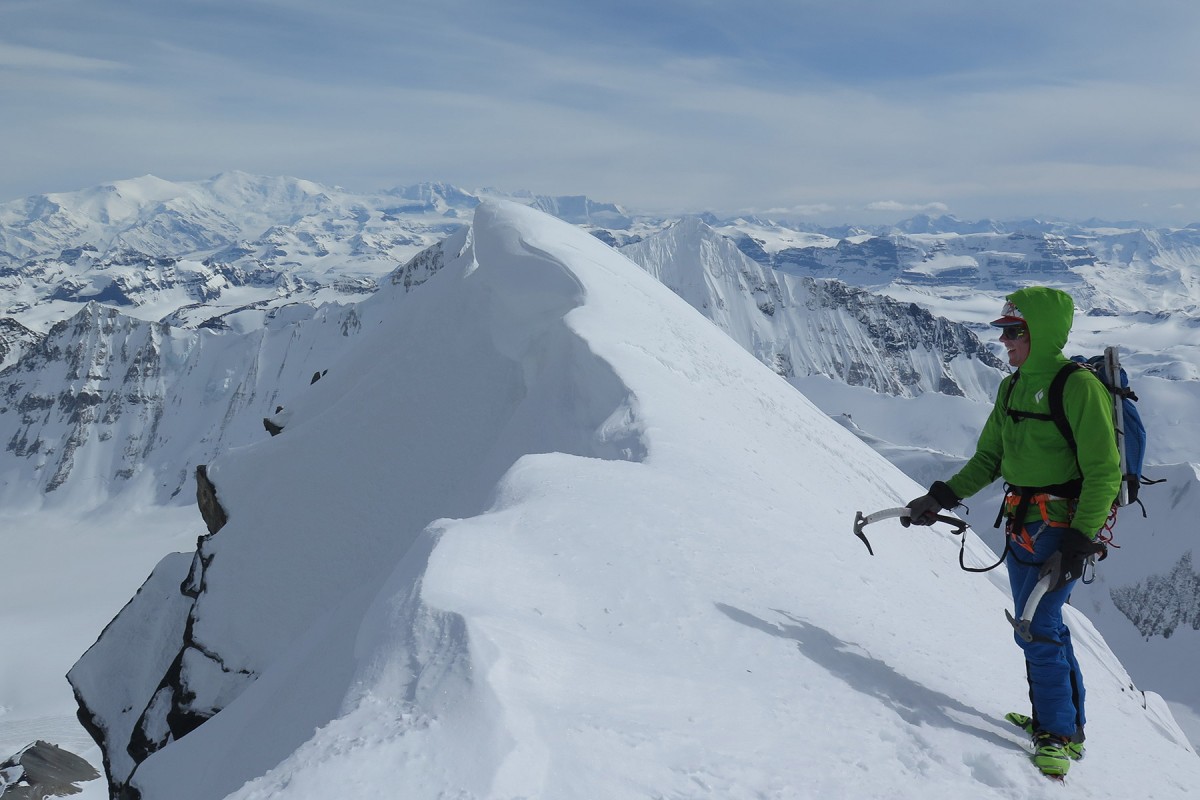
<point x="548" y="532"/>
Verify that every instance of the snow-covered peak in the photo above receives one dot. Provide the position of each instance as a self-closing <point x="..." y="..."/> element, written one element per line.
<point x="544" y="531"/>
<point x="946" y="223"/>
<point x="133" y="193"/>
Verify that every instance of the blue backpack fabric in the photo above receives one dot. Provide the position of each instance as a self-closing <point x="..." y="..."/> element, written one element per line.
<point x="1130" y="426"/>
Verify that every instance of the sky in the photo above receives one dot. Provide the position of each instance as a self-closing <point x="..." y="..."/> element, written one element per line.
<point x="827" y="110"/>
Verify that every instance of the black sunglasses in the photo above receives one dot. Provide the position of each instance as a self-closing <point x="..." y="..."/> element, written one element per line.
<point x="1014" y="332"/>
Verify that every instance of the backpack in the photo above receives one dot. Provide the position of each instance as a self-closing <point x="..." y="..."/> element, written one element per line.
<point x="1131" y="432"/>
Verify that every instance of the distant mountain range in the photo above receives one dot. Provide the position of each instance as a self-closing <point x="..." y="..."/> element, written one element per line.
<point x="202" y="253"/>
<point x="214" y="296"/>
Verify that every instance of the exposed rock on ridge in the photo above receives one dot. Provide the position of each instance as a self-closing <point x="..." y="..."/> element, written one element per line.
<point x="15" y="340"/>
<point x="43" y="770"/>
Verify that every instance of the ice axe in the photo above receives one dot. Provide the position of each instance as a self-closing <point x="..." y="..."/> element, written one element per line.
<point x="1050" y="577"/>
<point x="861" y="522"/>
<point x="1047" y="578"/>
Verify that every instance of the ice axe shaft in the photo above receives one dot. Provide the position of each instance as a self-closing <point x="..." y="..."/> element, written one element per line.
<point x="1048" y="577"/>
<point x="861" y="521"/>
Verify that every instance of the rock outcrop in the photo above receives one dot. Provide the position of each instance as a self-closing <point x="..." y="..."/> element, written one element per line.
<point x="165" y="670"/>
<point x="43" y="770"/>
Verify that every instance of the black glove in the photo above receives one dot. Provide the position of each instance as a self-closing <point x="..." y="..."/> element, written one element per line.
<point x="1076" y="547"/>
<point x="1076" y="544"/>
<point x="924" y="509"/>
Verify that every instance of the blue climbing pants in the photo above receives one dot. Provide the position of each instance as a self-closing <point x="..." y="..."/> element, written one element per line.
<point x="1055" y="682"/>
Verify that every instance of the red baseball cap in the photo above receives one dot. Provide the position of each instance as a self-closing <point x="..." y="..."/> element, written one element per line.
<point x="1011" y="316"/>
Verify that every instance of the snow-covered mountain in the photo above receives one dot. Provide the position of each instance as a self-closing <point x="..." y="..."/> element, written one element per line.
<point x="804" y="326"/>
<point x="105" y="401"/>
<point x="15" y="339"/>
<point x="606" y="554"/>
<point x="95" y="391"/>
<point x="163" y="218"/>
<point x="193" y="253"/>
<point x="148" y="328"/>
<point x="1113" y="271"/>
<point x="197" y="250"/>
<point x="997" y="261"/>
<point x="97" y="402"/>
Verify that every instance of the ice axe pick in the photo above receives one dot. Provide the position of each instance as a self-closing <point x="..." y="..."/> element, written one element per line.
<point x="861" y="521"/>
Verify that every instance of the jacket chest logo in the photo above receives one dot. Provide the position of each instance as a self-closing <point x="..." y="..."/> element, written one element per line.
<point x="1037" y="398"/>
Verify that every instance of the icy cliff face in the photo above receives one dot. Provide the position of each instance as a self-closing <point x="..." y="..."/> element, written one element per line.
<point x="15" y="339"/>
<point x="83" y="413"/>
<point x="799" y="325"/>
<point x="96" y="376"/>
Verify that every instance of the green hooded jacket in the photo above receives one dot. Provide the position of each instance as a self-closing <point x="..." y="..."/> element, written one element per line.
<point x="1032" y="452"/>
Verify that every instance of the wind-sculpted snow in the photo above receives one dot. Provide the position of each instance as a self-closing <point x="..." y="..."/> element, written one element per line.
<point x="545" y="531"/>
<point x="520" y="383"/>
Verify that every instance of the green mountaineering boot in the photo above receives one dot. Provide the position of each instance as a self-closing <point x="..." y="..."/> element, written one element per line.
<point x="1074" y="749"/>
<point x="1021" y="721"/>
<point x="1050" y="753"/>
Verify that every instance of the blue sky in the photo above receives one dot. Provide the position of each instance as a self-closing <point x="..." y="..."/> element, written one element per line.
<point x="847" y="111"/>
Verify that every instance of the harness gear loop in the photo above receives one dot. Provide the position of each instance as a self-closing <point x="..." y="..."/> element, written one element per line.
<point x="1017" y="501"/>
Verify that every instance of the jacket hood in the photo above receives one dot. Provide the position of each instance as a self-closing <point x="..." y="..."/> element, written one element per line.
<point x="1049" y="314"/>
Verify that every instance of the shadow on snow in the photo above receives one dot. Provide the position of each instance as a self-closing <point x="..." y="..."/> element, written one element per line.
<point x="913" y="702"/>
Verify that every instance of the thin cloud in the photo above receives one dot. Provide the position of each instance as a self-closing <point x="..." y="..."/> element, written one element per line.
<point x="812" y="210"/>
<point x="36" y="58"/>
<point x="715" y="109"/>
<point x="908" y="208"/>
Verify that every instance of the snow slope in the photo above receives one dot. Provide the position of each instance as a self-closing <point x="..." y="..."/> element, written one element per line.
<point x="65" y="578"/>
<point x="547" y="532"/>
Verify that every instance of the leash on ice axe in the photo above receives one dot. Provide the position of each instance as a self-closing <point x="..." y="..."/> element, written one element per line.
<point x="1048" y="577"/>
